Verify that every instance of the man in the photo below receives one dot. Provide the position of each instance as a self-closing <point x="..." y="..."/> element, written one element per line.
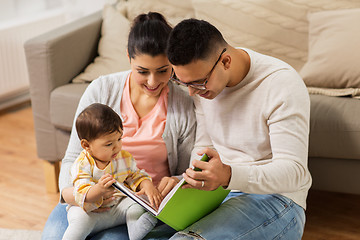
<point x="253" y="121"/>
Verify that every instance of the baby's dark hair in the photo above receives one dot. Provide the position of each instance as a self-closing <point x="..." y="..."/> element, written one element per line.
<point x="148" y="35"/>
<point x="97" y="120"/>
<point x="192" y="40"/>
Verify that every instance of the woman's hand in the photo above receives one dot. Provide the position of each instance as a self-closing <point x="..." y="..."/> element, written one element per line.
<point x="166" y="184"/>
<point x="68" y="196"/>
<point x="154" y="196"/>
<point x="107" y="199"/>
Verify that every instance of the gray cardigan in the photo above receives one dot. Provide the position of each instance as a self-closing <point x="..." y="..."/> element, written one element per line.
<point x="179" y="133"/>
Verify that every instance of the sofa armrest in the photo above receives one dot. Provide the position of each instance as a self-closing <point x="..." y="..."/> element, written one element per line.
<point x="54" y="59"/>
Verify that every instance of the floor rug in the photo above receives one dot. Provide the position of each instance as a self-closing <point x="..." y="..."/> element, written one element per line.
<point x="19" y="234"/>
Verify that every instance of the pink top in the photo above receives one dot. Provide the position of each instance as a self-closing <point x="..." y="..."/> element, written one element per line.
<point x="143" y="136"/>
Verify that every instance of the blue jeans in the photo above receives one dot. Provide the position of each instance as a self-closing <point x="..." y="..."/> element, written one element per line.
<point x="241" y="216"/>
<point x="248" y="217"/>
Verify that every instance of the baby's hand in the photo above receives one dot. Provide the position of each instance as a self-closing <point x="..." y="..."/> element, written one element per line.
<point x="153" y="194"/>
<point x="105" y="183"/>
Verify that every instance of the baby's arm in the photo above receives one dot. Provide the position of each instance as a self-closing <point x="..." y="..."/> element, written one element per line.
<point x="147" y="187"/>
<point x="100" y="189"/>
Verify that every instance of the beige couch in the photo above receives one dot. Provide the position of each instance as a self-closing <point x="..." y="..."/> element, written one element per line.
<point x="97" y="45"/>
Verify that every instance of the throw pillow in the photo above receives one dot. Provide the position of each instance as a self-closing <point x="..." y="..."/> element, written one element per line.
<point x="275" y="28"/>
<point x="173" y="11"/>
<point x="112" y="47"/>
<point x="334" y="50"/>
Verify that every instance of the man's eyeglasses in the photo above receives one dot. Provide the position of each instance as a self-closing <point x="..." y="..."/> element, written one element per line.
<point x="199" y="84"/>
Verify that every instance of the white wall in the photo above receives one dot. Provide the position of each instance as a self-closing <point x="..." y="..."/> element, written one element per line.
<point x="75" y="9"/>
<point x="21" y="20"/>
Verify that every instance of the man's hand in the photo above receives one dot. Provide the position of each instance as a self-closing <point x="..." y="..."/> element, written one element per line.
<point x="166" y="184"/>
<point x="214" y="173"/>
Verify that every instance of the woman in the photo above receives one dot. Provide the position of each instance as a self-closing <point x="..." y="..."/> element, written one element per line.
<point x="158" y="118"/>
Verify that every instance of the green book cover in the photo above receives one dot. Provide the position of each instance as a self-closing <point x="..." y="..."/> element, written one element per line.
<point x="181" y="207"/>
<point x="187" y="206"/>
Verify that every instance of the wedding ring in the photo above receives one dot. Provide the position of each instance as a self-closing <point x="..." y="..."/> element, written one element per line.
<point x="202" y="184"/>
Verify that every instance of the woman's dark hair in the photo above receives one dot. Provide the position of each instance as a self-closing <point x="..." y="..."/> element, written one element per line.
<point x="193" y="39"/>
<point x="97" y="120"/>
<point x="148" y="35"/>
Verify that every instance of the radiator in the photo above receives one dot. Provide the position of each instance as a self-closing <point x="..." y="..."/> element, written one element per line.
<point x="14" y="81"/>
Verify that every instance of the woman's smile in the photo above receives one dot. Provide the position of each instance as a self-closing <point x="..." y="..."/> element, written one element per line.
<point x="152" y="89"/>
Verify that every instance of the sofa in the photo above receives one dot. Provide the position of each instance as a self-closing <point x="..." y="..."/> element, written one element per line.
<point x="318" y="38"/>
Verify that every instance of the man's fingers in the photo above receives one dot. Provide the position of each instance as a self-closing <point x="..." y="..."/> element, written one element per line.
<point x="209" y="151"/>
<point x="199" y="164"/>
<point x="195" y="174"/>
<point x="192" y="183"/>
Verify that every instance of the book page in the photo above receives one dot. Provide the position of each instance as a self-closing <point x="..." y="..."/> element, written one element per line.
<point x="140" y="199"/>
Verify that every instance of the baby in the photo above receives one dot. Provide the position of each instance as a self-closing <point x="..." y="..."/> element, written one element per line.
<point x="100" y="164"/>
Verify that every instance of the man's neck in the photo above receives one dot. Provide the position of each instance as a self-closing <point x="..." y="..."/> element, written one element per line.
<point x="240" y="63"/>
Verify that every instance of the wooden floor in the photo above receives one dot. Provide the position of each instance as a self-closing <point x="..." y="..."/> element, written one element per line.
<point x="25" y="204"/>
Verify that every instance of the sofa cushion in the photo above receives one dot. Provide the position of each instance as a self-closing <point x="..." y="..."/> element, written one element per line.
<point x="334" y="50"/>
<point x="336" y="92"/>
<point x="276" y="28"/>
<point x="112" y="47"/>
<point x="63" y="104"/>
<point x="334" y="127"/>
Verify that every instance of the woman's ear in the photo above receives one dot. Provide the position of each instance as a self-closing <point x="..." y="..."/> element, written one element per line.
<point x="127" y="54"/>
<point x="85" y="144"/>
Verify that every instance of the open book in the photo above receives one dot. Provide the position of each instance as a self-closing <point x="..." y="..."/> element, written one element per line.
<point x="181" y="207"/>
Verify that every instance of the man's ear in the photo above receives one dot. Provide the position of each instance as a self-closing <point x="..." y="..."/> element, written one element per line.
<point x="226" y="61"/>
<point x="85" y="144"/>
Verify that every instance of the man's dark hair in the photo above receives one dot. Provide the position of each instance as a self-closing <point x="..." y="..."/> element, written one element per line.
<point x="193" y="39"/>
<point x="148" y="35"/>
<point x="97" y="120"/>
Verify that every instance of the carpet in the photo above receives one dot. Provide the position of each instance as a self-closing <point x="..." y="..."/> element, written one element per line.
<point x="19" y="234"/>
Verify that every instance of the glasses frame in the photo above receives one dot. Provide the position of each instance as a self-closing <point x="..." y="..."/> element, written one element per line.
<point x="198" y="86"/>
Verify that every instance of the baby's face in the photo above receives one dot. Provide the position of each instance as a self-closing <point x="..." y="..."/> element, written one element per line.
<point x="106" y="147"/>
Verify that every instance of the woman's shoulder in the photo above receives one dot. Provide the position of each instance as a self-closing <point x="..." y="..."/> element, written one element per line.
<point x="179" y="94"/>
<point x="110" y="81"/>
<point x="179" y="102"/>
